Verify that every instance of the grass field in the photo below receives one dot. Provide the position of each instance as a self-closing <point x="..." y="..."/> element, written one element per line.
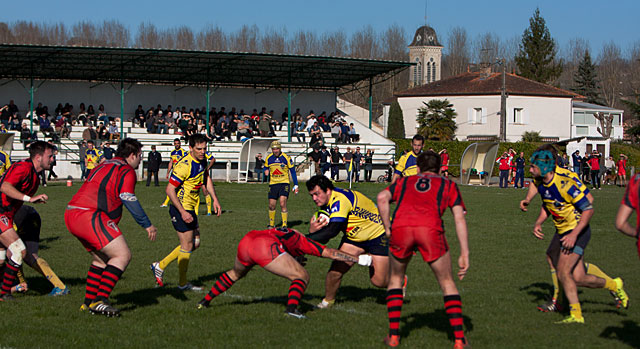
<point x="507" y="279"/>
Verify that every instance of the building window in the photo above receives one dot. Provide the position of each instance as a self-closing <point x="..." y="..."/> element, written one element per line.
<point x="433" y="71"/>
<point x="477" y="115"/>
<point x="582" y="130"/>
<point x="517" y="116"/>
<point x="428" y="72"/>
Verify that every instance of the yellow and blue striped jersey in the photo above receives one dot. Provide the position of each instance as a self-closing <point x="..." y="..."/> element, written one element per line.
<point x="177" y="154"/>
<point x="279" y="168"/>
<point x="360" y="213"/>
<point x="93" y="158"/>
<point x="564" y="198"/>
<point x="407" y="165"/>
<point x="5" y="162"/>
<point x="187" y="176"/>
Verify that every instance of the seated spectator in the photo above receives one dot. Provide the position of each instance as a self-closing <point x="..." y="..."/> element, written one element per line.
<point x="82" y="116"/>
<point x="89" y="133"/>
<point x="222" y="131"/>
<point x="161" y="124"/>
<point x="45" y="126"/>
<point x="26" y="137"/>
<point x="3" y="128"/>
<point x="114" y="133"/>
<point x="150" y="121"/>
<point x="169" y="121"/>
<point x="298" y="130"/>
<point x="102" y="115"/>
<point x="103" y="132"/>
<point x="244" y="128"/>
<point x="139" y="116"/>
<point x="353" y="136"/>
<point x="61" y="127"/>
<point x="91" y="114"/>
<point x="344" y="133"/>
<point x="324" y="126"/>
<point x="264" y="125"/>
<point x="14" y="122"/>
<point x="335" y="131"/>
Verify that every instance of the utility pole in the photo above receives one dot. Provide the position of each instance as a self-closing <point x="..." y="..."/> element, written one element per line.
<point x="503" y="102"/>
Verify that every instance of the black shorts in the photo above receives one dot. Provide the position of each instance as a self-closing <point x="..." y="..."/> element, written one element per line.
<point x="555" y="247"/>
<point x="378" y="246"/>
<point x="278" y="190"/>
<point x="179" y="224"/>
<point x="28" y="222"/>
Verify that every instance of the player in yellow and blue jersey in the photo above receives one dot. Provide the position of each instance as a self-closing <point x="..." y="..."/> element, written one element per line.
<point x="210" y="161"/>
<point x="407" y="165"/>
<point x="357" y="216"/>
<point x="565" y="200"/>
<point x="5" y="162"/>
<point x="176" y="154"/>
<point x="281" y="171"/>
<point x="93" y="157"/>
<point x="187" y="176"/>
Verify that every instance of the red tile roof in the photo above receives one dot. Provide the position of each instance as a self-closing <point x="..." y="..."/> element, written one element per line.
<point x="475" y="83"/>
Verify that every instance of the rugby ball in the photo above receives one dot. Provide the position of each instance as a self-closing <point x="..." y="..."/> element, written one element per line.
<point x="322" y="216"/>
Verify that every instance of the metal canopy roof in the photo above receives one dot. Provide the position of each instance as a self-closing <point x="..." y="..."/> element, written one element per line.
<point x="181" y="67"/>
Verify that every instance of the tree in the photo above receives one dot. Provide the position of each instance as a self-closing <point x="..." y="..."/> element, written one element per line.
<point x="610" y="71"/>
<point x="634" y="108"/>
<point x="586" y="80"/>
<point x="531" y="137"/>
<point x="458" y="52"/>
<point x="536" y="58"/>
<point x="436" y="120"/>
<point x="396" y="121"/>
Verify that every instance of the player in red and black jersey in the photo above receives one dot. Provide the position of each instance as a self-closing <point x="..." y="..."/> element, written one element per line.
<point x="92" y="216"/>
<point x="421" y="200"/>
<point x="18" y="184"/>
<point x="275" y="250"/>
<point x="630" y="202"/>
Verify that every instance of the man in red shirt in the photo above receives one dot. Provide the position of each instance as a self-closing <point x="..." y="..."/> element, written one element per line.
<point x="444" y="161"/>
<point x="504" y="165"/>
<point x="630" y="202"/>
<point x="594" y="163"/>
<point x="417" y="223"/>
<point x="92" y="216"/>
<point x="276" y="250"/>
<point x="18" y="184"/>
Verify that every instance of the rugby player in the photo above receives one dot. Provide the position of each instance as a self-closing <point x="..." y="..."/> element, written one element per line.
<point x="280" y="169"/>
<point x="187" y="176"/>
<point x="417" y="223"/>
<point x="92" y="216"/>
<point x="630" y="202"/>
<point x="210" y="161"/>
<point x="17" y="186"/>
<point x="27" y="224"/>
<point x="176" y="154"/>
<point x="275" y="250"/>
<point x="407" y="163"/>
<point x="357" y="216"/>
<point x="93" y="157"/>
<point x="552" y="305"/>
<point x="566" y="201"/>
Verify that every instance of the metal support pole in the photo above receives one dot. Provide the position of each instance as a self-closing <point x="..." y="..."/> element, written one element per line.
<point x="31" y="106"/>
<point x="208" y="94"/>
<point x="370" y="101"/>
<point x="503" y="103"/>
<point x="289" y="111"/>
<point x="122" y="135"/>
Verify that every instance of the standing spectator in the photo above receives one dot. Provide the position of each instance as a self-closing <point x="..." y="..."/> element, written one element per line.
<point x="153" y="166"/>
<point x="53" y="163"/>
<point x="89" y="134"/>
<point x="314" y="159"/>
<point x="622" y="170"/>
<point x="107" y="151"/>
<point x="114" y="133"/>
<point x="335" y="163"/>
<point x="324" y="160"/>
<point x="368" y="165"/>
<point x="5" y="115"/>
<point x="511" y="154"/>
<point x="576" y="159"/>
<point x="347" y="158"/>
<point x="82" y="155"/>
<point x="610" y="169"/>
<point x="258" y="168"/>
<point x="504" y="167"/>
<point x="594" y="163"/>
<point x="520" y="163"/>
<point x="358" y="159"/>
<point x="585" y="170"/>
<point x="444" y="162"/>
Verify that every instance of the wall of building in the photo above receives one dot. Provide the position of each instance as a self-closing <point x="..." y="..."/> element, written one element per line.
<point x="50" y="93"/>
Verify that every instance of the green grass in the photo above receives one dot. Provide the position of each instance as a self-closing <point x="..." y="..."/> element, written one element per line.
<point x="507" y="279"/>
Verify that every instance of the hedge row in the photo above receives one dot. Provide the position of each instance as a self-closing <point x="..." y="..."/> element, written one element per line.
<point x="457" y="148"/>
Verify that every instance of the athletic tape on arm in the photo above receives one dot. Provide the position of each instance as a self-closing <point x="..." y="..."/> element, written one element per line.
<point x="16" y="249"/>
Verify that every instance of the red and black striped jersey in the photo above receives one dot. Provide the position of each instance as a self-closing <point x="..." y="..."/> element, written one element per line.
<point x="293" y="242"/>
<point x="23" y="176"/>
<point x="422" y="199"/>
<point x="101" y="191"/>
<point x="632" y="198"/>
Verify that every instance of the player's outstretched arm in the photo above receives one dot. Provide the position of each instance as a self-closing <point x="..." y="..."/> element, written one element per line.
<point x="622" y="221"/>
<point x="531" y="193"/>
<point x="9" y="190"/>
<point x="215" y="204"/>
<point x="130" y="201"/>
<point x="463" y="239"/>
<point x="152" y="232"/>
<point x="332" y="253"/>
<point x="383" y="199"/>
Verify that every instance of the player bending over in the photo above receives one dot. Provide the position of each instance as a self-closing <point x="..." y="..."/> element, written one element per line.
<point x="417" y="223"/>
<point x="274" y="250"/>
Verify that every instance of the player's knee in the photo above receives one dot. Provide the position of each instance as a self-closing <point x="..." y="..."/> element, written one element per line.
<point x="18" y="251"/>
<point x="3" y="256"/>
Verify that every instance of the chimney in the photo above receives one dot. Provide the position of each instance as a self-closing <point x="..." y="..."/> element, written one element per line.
<point x="485" y="71"/>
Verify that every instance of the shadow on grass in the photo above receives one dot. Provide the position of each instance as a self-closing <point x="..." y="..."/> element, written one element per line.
<point x="437" y="320"/>
<point x="357" y="294"/>
<point x="542" y="291"/>
<point x="147" y="296"/>
<point x="293" y="224"/>
<point x="627" y="333"/>
<point x="43" y="242"/>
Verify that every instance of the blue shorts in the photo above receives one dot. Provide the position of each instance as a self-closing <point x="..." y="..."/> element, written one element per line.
<point x="179" y="224"/>
<point x="278" y="190"/>
<point x="555" y="247"/>
<point x="378" y="246"/>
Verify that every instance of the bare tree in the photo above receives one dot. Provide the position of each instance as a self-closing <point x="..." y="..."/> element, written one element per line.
<point x="610" y="73"/>
<point x="364" y="43"/>
<point x="212" y="39"/>
<point x="274" y="40"/>
<point x="334" y="44"/>
<point x="394" y="43"/>
<point x="184" y="38"/>
<point x="486" y="48"/>
<point x="57" y="34"/>
<point x="85" y="33"/>
<point x="304" y="42"/>
<point x="5" y="33"/>
<point x="114" y="34"/>
<point x="147" y="36"/>
<point x="457" y="55"/>
<point x="245" y="39"/>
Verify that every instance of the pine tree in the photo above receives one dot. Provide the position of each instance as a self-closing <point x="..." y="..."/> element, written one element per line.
<point x="586" y="80"/>
<point x="436" y="120"/>
<point x="396" y="121"/>
<point x="536" y="57"/>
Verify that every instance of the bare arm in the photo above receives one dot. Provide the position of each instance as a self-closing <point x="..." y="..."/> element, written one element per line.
<point x="384" y="197"/>
<point x="531" y="193"/>
<point x="395" y="178"/>
<point x="338" y="255"/>
<point x="622" y="221"/>
<point x="463" y="239"/>
<point x="170" y="167"/>
<point x="215" y="204"/>
<point x="537" y="227"/>
<point x="9" y="190"/>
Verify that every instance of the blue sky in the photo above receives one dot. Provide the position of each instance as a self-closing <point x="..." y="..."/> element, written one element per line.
<point x="598" y="22"/>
